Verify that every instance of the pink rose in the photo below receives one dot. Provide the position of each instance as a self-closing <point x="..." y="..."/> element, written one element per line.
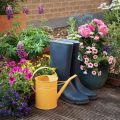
<point x="103" y="30"/>
<point x="84" y="31"/>
<point x="96" y="38"/>
<point x="90" y="65"/>
<point x="94" y="73"/>
<point x="98" y="22"/>
<point x="92" y="27"/>
<point x="95" y="57"/>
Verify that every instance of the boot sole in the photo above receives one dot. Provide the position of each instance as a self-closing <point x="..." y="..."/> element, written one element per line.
<point x="77" y="102"/>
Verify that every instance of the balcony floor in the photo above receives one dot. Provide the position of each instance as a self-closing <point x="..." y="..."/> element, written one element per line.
<point x="106" y="107"/>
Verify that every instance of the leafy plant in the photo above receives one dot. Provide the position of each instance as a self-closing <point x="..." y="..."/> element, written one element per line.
<point x="114" y="41"/>
<point x="8" y="43"/>
<point x="34" y="40"/>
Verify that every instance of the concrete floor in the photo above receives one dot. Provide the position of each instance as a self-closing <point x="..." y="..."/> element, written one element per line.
<point x="106" y="107"/>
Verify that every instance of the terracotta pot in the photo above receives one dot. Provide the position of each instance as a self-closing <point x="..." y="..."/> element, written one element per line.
<point x="114" y="81"/>
<point x="6" y="24"/>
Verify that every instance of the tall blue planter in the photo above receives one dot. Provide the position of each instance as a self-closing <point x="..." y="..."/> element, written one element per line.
<point x="94" y="82"/>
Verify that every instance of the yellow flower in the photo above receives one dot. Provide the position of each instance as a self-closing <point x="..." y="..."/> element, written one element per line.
<point x="46" y="55"/>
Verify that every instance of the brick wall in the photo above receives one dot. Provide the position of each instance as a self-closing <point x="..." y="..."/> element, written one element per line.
<point x="61" y="8"/>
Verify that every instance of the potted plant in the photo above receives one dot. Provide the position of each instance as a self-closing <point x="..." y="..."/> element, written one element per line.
<point x="112" y="17"/>
<point x="114" y="38"/>
<point x="10" y="15"/>
<point x="93" y="53"/>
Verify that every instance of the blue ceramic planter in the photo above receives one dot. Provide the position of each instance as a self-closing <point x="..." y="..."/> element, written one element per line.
<point x="94" y="82"/>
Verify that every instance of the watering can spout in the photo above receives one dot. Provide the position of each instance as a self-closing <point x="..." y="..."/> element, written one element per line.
<point x="65" y="85"/>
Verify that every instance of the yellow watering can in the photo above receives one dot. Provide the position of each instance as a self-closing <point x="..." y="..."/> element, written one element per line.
<point x="46" y="95"/>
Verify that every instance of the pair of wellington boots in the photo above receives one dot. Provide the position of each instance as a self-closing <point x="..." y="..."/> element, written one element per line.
<point x="64" y="55"/>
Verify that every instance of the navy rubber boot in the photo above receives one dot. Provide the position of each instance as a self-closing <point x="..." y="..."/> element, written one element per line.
<point x="61" y="54"/>
<point x="75" y="67"/>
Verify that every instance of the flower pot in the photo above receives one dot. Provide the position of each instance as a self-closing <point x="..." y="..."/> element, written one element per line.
<point x="6" y="24"/>
<point x="94" y="81"/>
<point x="114" y="81"/>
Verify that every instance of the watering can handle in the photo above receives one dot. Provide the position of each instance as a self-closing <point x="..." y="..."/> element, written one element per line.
<point x="40" y="68"/>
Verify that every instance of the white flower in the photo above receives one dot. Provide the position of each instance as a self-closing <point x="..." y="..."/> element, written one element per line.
<point x="105" y="53"/>
<point x="95" y="57"/>
<point x="96" y="64"/>
<point x="85" y="72"/>
<point x="90" y="65"/>
<point x="89" y="48"/>
<point x="99" y="73"/>
<point x="94" y="73"/>
<point x="94" y="51"/>
<point x="88" y="52"/>
<point x="93" y="45"/>
<point x="81" y="45"/>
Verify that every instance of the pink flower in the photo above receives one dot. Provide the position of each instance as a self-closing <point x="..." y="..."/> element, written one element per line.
<point x="22" y="61"/>
<point x="11" y="80"/>
<point x="98" y="22"/>
<point x="92" y="27"/>
<point x="110" y="60"/>
<point x="103" y="30"/>
<point x="84" y="56"/>
<point x="90" y="65"/>
<point x="99" y="73"/>
<point x="28" y="75"/>
<point x="94" y="51"/>
<point x="86" y="59"/>
<point x="96" y="38"/>
<point x="84" y="31"/>
<point x="12" y="64"/>
<point x="94" y="73"/>
<point x="95" y="57"/>
<point x="81" y="67"/>
<point x="25" y="70"/>
<point x="96" y="64"/>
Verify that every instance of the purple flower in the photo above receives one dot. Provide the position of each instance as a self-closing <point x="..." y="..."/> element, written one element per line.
<point x="40" y="9"/>
<point x="9" y="12"/>
<point x="21" y="51"/>
<point x="26" y="10"/>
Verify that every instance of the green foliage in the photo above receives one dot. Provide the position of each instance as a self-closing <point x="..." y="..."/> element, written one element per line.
<point x="111" y="16"/>
<point x="13" y="3"/>
<point x="35" y="40"/>
<point x="114" y="40"/>
<point x="8" y="43"/>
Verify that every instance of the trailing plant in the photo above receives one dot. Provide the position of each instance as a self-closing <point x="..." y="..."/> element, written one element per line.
<point x="34" y="40"/>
